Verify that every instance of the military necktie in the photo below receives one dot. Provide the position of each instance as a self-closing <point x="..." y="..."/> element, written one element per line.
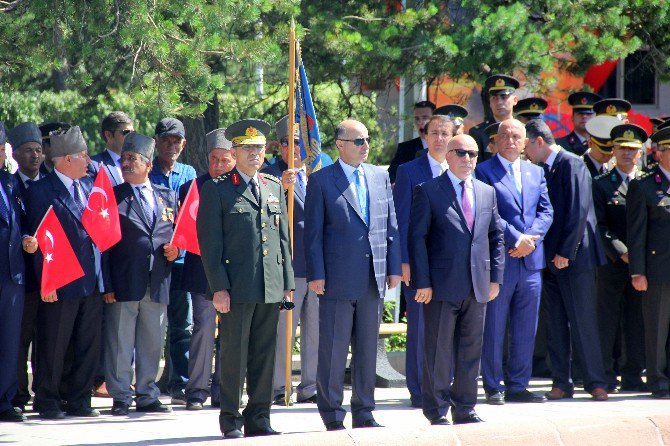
<point x="254" y="190"/>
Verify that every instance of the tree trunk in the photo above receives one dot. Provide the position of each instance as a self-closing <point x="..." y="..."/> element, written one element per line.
<point x="60" y="76"/>
<point x="196" y="129"/>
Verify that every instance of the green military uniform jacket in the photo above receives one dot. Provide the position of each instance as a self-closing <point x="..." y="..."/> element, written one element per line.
<point x="481" y="138"/>
<point x="245" y="246"/>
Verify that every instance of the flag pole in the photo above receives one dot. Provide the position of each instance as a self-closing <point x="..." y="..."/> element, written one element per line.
<point x="291" y="165"/>
<point x="176" y="223"/>
<point x="41" y="221"/>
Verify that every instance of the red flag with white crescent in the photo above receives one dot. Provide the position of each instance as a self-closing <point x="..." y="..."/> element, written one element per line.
<point x="185" y="235"/>
<point x="60" y="265"/>
<point x="101" y="216"/>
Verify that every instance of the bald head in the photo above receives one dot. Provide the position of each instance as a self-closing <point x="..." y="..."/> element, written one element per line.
<point x="462" y="155"/>
<point x="511" y="139"/>
<point x="352" y="141"/>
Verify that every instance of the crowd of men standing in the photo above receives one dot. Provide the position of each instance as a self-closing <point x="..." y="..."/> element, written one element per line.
<point x="491" y="234"/>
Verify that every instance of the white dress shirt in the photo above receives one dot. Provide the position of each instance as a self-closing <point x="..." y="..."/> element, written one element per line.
<point x="438" y="168"/>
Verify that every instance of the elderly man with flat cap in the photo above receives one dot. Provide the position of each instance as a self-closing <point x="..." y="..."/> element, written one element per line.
<point x="246" y="252"/>
<point x="72" y="314"/>
<point x="26" y="141"/>
<point x="170" y="137"/>
<point x="499" y="90"/>
<point x="137" y="281"/>
<point x="220" y="160"/>
<point x="306" y="302"/>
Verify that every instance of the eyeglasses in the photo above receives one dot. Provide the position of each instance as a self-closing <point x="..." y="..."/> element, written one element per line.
<point x="461" y="153"/>
<point x="357" y="141"/>
<point x="126" y="131"/>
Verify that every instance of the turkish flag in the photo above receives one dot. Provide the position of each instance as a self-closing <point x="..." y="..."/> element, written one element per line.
<point x="101" y="216"/>
<point x="59" y="262"/>
<point x="185" y="235"/>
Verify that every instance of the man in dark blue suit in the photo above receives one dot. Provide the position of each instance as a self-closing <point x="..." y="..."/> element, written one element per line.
<point x="72" y="313"/>
<point x="439" y="130"/>
<point x="11" y="290"/>
<point x="26" y="141"/>
<point x="456" y="257"/>
<point x="306" y="310"/>
<point x="409" y="149"/>
<point x="526" y="215"/>
<point x="573" y="250"/>
<point x="114" y="128"/>
<point x="220" y="160"/>
<point x="353" y="252"/>
<point x="137" y="281"/>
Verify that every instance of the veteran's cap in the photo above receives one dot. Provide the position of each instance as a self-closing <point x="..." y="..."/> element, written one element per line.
<point x="170" y="127"/>
<point x="500" y="84"/>
<point x="139" y="143"/>
<point x="530" y="108"/>
<point x="612" y="107"/>
<point x="23" y="133"/>
<point x="629" y="135"/>
<point x="281" y="129"/>
<point x="216" y="139"/>
<point x="67" y="142"/>
<point x="248" y="131"/>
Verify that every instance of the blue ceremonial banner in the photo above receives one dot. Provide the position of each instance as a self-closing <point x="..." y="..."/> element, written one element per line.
<point x="305" y="118"/>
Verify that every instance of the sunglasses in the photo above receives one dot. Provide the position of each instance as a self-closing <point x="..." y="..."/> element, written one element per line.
<point x="358" y="141"/>
<point x="126" y="131"/>
<point x="461" y="153"/>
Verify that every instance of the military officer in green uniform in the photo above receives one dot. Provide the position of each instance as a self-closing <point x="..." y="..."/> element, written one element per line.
<point x="619" y="304"/>
<point x="243" y="234"/>
<point x="582" y="111"/>
<point x="530" y="108"/>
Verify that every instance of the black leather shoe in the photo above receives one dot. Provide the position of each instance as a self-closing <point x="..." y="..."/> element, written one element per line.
<point x="335" y="426"/>
<point x="12" y="415"/>
<point x="235" y="433"/>
<point x="439" y="421"/>
<point x="84" y="412"/>
<point x="471" y="418"/>
<point x="495" y="398"/>
<point x="193" y="405"/>
<point x="215" y="404"/>
<point x="310" y="400"/>
<point x="53" y="414"/>
<point x="156" y="406"/>
<point x="525" y="396"/>
<point x="367" y="423"/>
<point x="634" y="387"/>
<point x="120" y="409"/>
<point x="261" y="433"/>
<point x="661" y="394"/>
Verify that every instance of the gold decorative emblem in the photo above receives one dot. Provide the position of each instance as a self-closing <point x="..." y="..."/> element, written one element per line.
<point x="500" y="83"/>
<point x="629" y="134"/>
<point x="251" y="132"/>
<point x="611" y="110"/>
<point x="583" y="101"/>
<point x="534" y="107"/>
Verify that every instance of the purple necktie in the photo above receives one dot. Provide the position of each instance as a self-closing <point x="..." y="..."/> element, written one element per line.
<point x="467" y="206"/>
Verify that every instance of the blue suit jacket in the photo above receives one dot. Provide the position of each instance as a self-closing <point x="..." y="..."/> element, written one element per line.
<point x="574" y="232"/>
<point x="533" y="216"/>
<point x="109" y="166"/>
<point x="127" y="269"/>
<point x="339" y="246"/>
<point x="48" y="191"/>
<point x="408" y="176"/>
<point x="443" y="253"/>
<point x="12" y="266"/>
<point x="193" y="278"/>
<point x="299" y="264"/>
<point x="31" y="282"/>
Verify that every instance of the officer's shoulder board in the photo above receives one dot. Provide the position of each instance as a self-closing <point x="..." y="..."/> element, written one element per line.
<point x="222" y="177"/>
<point x="271" y="177"/>
<point x="602" y="175"/>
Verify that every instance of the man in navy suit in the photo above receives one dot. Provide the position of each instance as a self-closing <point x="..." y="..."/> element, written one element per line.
<point x="408" y="150"/>
<point x="306" y="310"/>
<point x="439" y="130"/>
<point x="11" y="290"/>
<point x="526" y="215"/>
<point x="352" y="252"/>
<point x="573" y="250"/>
<point x="114" y="128"/>
<point x="220" y="160"/>
<point x="137" y="281"/>
<point x="26" y="141"/>
<point x="72" y="313"/>
<point x="456" y="244"/>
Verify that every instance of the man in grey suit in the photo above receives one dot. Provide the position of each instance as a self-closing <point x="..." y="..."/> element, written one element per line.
<point x="456" y="252"/>
<point x="306" y="302"/>
<point x="352" y="252"/>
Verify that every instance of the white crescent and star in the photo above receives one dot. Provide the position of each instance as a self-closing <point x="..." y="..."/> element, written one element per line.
<point x="94" y="190"/>
<point x="50" y="256"/>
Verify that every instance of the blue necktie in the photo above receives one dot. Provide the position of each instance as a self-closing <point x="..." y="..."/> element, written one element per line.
<point x="301" y="180"/>
<point x="517" y="181"/>
<point x="4" y="210"/>
<point x="76" y="194"/>
<point x="144" y="204"/>
<point x="362" y="196"/>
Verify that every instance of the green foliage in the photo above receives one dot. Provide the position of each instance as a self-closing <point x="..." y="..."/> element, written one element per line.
<point x="396" y="342"/>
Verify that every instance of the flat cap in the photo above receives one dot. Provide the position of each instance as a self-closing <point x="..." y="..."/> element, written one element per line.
<point x="248" y="132"/>
<point x="216" y="139"/>
<point x="582" y="101"/>
<point x="629" y="135"/>
<point x="67" y="142"/>
<point x="23" y="133"/>
<point x="530" y="107"/>
<point x="500" y="84"/>
<point x="170" y="127"/>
